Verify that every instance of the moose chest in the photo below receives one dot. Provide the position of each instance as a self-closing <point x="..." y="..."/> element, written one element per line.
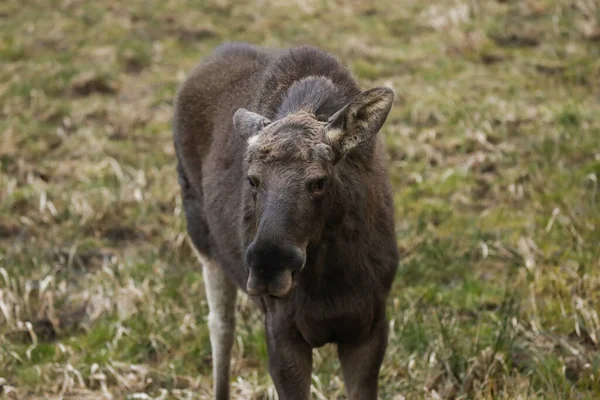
<point x="321" y="321"/>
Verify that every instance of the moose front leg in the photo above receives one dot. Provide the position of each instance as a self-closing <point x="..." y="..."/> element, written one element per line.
<point x="290" y="361"/>
<point x="361" y="363"/>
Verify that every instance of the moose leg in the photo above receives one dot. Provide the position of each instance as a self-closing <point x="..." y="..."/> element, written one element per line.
<point x="361" y="363"/>
<point x="221" y="294"/>
<point x="290" y="362"/>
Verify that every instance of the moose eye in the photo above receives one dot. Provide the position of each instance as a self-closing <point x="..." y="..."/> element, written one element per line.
<point x="252" y="182"/>
<point x="318" y="185"/>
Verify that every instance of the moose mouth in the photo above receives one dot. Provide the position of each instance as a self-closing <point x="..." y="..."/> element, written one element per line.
<point x="279" y="285"/>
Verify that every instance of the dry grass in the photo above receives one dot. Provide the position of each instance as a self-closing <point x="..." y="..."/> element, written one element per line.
<point x="495" y="152"/>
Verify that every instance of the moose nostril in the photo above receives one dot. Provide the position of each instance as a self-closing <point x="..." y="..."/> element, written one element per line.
<point x="269" y="256"/>
<point x="250" y="252"/>
<point x="298" y="260"/>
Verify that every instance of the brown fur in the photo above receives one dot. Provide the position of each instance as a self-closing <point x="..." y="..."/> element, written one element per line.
<point x="320" y="261"/>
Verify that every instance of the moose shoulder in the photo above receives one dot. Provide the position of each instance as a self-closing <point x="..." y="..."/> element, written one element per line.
<point x="287" y="197"/>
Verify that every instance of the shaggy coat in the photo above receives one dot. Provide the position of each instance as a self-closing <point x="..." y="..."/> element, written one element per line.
<point x="287" y="197"/>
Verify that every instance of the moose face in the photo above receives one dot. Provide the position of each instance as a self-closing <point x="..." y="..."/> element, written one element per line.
<point x="291" y="171"/>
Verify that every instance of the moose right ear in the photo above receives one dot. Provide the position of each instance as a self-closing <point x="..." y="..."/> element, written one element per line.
<point x="359" y="120"/>
<point x="248" y="124"/>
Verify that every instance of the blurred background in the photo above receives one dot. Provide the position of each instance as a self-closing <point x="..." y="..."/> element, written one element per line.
<point x="494" y="148"/>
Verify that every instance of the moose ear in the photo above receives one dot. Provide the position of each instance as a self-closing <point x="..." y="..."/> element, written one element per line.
<point x="248" y="124"/>
<point x="359" y="120"/>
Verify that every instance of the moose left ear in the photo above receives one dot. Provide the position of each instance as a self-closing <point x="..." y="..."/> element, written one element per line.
<point x="359" y="120"/>
<point x="248" y="124"/>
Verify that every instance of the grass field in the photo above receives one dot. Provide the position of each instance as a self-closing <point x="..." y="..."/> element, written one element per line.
<point x="494" y="145"/>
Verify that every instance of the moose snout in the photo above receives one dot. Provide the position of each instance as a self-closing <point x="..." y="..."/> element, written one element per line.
<point x="272" y="267"/>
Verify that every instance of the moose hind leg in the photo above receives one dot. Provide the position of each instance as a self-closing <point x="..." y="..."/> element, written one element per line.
<point x="221" y="294"/>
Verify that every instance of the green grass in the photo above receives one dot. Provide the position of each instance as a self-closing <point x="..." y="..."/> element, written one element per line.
<point x="494" y="149"/>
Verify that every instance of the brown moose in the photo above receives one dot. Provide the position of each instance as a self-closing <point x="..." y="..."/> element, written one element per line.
<point x="287" y="197"/>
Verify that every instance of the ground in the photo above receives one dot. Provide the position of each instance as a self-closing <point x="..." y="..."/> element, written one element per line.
<point x="494" y="148"/>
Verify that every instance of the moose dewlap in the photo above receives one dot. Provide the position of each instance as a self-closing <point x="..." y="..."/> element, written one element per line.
<point x="287" y="197"/>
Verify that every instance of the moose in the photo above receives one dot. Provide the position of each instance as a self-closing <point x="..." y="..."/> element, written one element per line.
<point x="286" y="195"/>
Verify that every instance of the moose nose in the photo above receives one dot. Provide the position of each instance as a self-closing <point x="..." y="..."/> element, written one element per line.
<point x="271" y="267"/>
<point x="273" y="257"/>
